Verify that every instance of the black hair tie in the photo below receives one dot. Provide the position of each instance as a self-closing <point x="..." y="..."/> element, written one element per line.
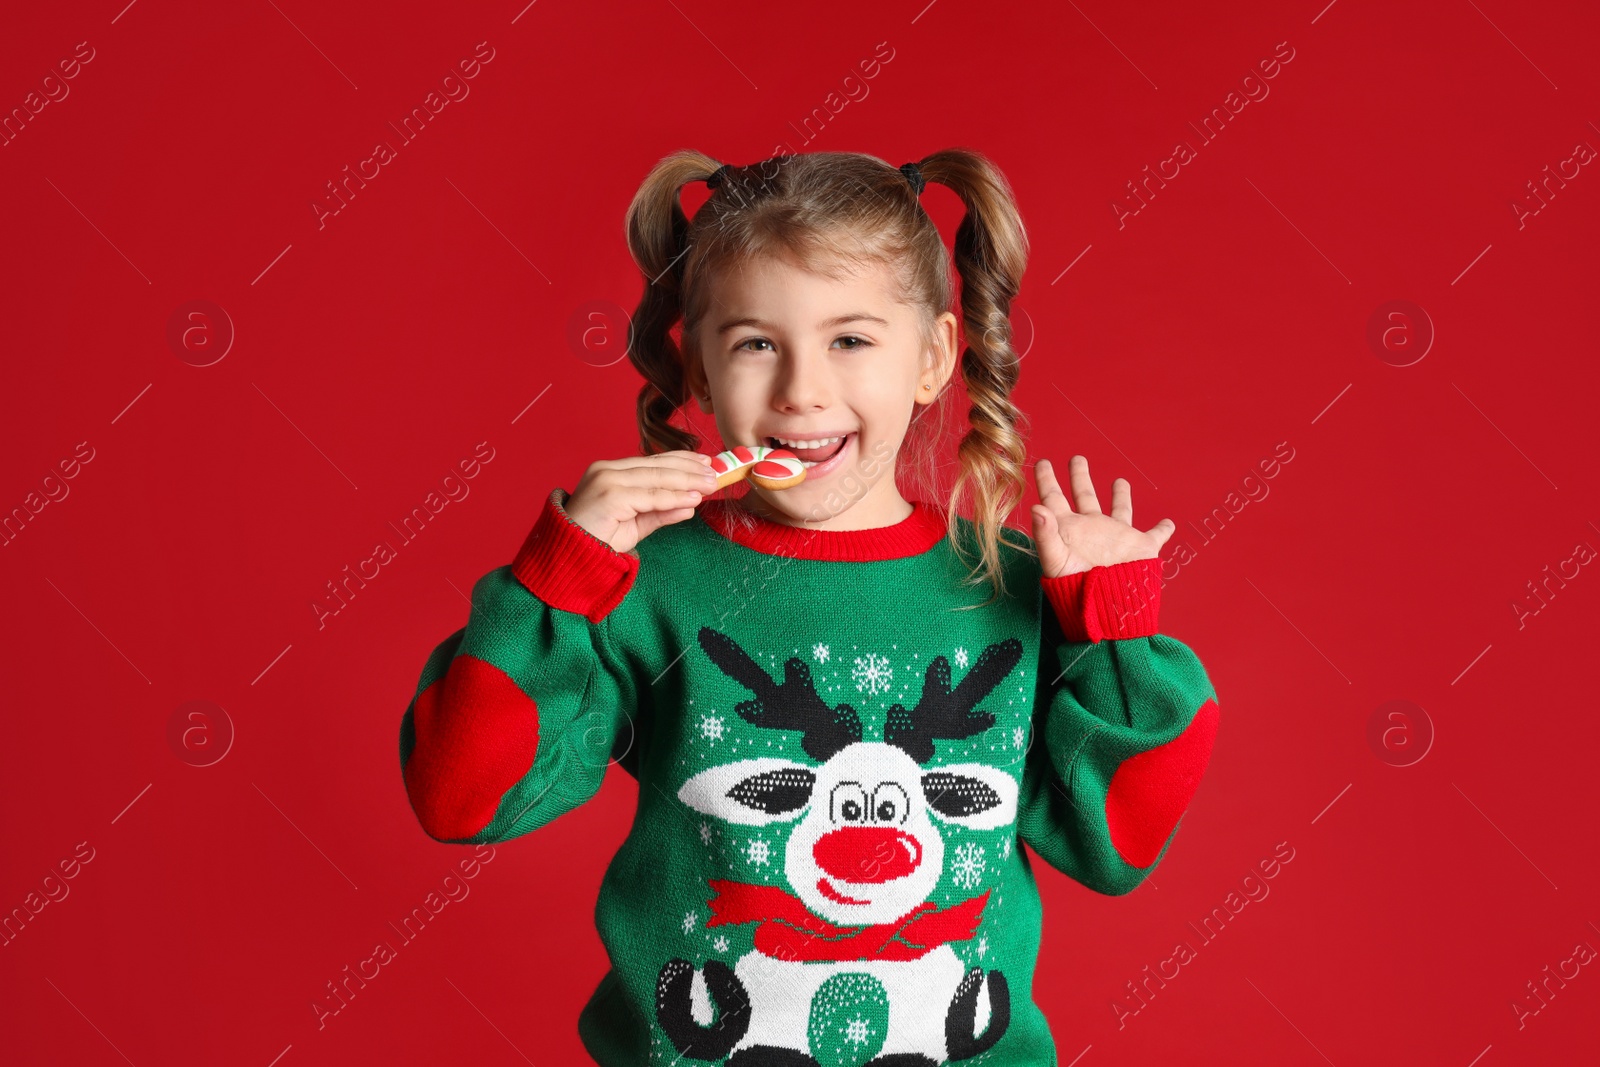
<point x="913" y="175"/>
<point x="716" y="177"/>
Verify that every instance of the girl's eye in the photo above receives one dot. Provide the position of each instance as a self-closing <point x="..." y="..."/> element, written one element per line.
<point x="751" y="341"/>
<point x="861" y="342"/>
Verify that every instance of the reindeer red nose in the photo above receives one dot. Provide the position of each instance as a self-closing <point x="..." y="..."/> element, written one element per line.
<point x="867" y="853"/>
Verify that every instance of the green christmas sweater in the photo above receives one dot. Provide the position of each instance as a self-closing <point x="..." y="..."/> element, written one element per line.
<point x="838" y="769"/>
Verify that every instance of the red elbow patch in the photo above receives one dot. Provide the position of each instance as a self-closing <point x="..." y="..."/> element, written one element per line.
<point x="476" y="736"/>
<point x="1150" y="791"/>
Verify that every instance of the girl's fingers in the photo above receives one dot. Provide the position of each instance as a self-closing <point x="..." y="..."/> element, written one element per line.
<point x="1083" y="488"/>
<point x="651" y="522"/>
<point x="1161" y="531"/>
<point x="1122" y="501"/>
<point x="1047" y="539"/>
<point x="681" y="461"/>
<point x="1050" y="494"/>
<point x="650" y="499"/>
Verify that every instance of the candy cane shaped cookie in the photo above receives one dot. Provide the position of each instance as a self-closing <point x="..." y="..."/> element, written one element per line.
<point x="770" y="468"/>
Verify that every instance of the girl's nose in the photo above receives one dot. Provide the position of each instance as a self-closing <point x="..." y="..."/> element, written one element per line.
<point x="802" y="386"/>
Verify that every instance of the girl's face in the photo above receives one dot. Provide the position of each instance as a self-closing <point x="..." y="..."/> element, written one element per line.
<point x="790" y="357"/>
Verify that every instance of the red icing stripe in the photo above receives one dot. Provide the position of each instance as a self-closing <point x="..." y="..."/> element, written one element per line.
<point x="768" y="469"/>
<point x="1150" y="791"/>
<point x="744" y="454"/>
<point x="477" y="734"/>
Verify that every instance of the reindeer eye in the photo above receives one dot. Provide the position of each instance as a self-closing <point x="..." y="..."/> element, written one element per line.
<point x="889" y="802"/>
<point x="848" y="802"/>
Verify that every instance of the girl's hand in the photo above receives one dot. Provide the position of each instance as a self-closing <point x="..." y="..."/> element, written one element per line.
<point x="623" y="501"/>
<point x="1072" y="541"/>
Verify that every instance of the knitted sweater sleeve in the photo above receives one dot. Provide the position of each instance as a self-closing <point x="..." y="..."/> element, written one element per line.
<point x="516" y="715"/>
<point x="1123" y="729"/>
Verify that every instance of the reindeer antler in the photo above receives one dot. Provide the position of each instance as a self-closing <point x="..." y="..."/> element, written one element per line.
<point x="946" y="713"/>
<point x="792" y="705"/>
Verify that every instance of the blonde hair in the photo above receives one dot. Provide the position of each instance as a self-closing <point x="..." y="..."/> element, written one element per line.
<point x="822" y="209"/>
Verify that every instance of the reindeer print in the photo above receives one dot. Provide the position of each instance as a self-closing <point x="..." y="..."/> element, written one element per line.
<point x="855" y="925"/>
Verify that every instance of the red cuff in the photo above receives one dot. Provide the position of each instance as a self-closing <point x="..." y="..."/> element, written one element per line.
<point x="569" y="568"/>
<point x="1118" y="601"/>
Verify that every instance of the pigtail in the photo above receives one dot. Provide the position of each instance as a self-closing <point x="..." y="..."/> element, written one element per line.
<point x="991" y="252"/>
<point x="656" y="229"/>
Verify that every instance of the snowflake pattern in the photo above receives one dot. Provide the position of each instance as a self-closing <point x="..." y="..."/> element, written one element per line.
<point x="858" y="1031"/>
<point x="720" y="944"/>
<point x="705" y="833"/>
<point x="820" y="651"/>
<point x="872" y="673"/>
<point x="983" y="946"/>
<point x="961" y="658"/>
<point x="711" y="727"/>
<point x="1018" y="735"/>
<point x="1005" y="848"/>
<point x="690" y="921"/>
<point x="758" y="853"/>
<point x="969" y="864"/>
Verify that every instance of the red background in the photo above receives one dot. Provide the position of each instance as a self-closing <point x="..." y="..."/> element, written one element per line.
<point x="374" y="353"/>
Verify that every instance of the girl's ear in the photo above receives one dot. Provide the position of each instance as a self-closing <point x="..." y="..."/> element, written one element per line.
<point x="942" y="361"/>
<point x="695" y="378"/>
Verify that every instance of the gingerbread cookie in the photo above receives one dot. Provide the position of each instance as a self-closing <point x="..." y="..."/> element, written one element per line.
<point x="770" y="468"/>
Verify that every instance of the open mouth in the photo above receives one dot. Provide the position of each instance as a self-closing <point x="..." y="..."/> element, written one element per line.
<point x="820" y="456"/>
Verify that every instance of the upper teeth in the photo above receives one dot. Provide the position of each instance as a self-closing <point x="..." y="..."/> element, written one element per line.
<point x="824" y="442"/>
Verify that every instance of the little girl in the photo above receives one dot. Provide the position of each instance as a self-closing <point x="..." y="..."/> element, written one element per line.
<point x="841" y="744"/>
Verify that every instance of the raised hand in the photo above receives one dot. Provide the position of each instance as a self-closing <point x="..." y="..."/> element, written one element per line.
<point x="1073" y="539"/>
<point x="623" y="501"/>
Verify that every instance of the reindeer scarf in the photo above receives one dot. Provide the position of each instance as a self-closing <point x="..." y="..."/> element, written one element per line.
<point x="789" y="931"/>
